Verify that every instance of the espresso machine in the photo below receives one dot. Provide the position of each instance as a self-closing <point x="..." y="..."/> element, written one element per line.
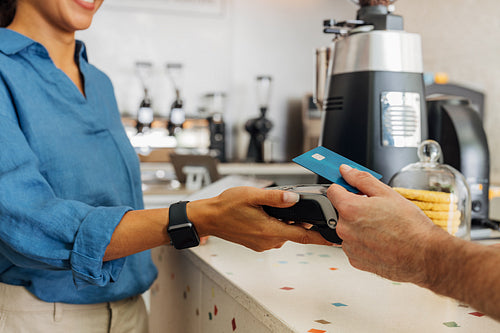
<point x="457" y="126"/>
<point x="373" y="92"/>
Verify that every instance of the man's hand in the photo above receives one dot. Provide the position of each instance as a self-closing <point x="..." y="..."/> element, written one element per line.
<point x="382" y="232"/>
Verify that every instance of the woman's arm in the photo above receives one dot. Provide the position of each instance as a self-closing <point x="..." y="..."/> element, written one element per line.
<point x="236" y="215"/>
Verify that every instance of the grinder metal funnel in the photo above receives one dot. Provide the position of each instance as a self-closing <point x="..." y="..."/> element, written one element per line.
<point x="322" y="61"/>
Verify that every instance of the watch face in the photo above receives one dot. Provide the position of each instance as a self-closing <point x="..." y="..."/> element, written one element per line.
<point x="183" y="236"/>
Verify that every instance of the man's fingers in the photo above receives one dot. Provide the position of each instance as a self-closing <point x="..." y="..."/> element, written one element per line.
<point x="338" y="194"/>
<point x="363" y="181"/>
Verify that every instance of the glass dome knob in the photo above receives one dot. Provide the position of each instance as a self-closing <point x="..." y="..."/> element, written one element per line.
<point x="429" y="151"/>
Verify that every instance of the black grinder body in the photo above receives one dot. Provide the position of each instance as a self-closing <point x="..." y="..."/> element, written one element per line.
<point x="354" y="122"/>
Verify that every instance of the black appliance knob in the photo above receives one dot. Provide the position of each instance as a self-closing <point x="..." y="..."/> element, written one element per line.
<point x="476" y="206"/>
<point x="329" y="23"/>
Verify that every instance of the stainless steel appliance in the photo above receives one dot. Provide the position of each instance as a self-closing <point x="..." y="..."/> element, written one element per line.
<point x="374" y="103"/>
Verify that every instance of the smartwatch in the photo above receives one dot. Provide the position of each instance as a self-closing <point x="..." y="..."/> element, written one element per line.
<point x="181" y="231"/>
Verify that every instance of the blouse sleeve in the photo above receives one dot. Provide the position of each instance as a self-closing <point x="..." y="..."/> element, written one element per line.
<point x="41" y="231"/>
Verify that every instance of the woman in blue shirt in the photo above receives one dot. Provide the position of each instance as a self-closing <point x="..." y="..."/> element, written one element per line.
<point x="73" y="230"/>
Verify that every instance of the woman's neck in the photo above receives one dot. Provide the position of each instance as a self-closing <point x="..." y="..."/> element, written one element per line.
<point x="59" y="43"/>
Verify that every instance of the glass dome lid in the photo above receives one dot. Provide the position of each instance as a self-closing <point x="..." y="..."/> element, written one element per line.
<point x="428" y="173"/>
<point x="438" y="189"/>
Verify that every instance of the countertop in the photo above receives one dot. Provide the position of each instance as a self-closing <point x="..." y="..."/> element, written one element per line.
<point x="309" y="288"/>
<point x="162" y="188"/>
<point x="243" y="168"/>
<point x="303" y="288"/>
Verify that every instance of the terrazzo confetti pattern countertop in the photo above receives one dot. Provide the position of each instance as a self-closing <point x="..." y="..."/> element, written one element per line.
<point x="313" y="289"/>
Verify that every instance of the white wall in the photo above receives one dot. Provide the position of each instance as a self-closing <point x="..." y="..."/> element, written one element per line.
<point x="462" y="38"/>
<point x="279" y="37"/>
<point x="251" y="37"/>
<point x="221" y="53"/>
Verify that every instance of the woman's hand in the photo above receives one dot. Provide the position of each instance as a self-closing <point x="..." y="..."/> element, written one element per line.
<point x="236" y="215"/>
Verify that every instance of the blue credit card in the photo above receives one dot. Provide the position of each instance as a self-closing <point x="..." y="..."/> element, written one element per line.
<point x="326" y="163"/>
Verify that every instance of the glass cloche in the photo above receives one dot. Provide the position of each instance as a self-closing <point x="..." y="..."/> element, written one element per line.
<point x="438" y="189"/>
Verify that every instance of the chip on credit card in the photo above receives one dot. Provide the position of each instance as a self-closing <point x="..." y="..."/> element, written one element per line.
<point x="326" y="163"/>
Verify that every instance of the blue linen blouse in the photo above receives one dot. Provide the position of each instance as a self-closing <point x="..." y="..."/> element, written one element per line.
<point x="67" y="176"/>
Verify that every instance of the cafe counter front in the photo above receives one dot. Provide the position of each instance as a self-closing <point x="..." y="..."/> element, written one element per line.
<point x="224" y="287"/>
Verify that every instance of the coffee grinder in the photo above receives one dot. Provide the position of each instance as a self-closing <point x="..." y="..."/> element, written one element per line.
<point x="145" y="114"/>
<point x="259" y="128"/>
<point x="177" y="115"/>
<point x="374" y="92"/>
<point x="215" y="108"/>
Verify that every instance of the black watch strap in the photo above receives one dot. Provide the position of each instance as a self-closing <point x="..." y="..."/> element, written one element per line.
<point x="181" y="231"/>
